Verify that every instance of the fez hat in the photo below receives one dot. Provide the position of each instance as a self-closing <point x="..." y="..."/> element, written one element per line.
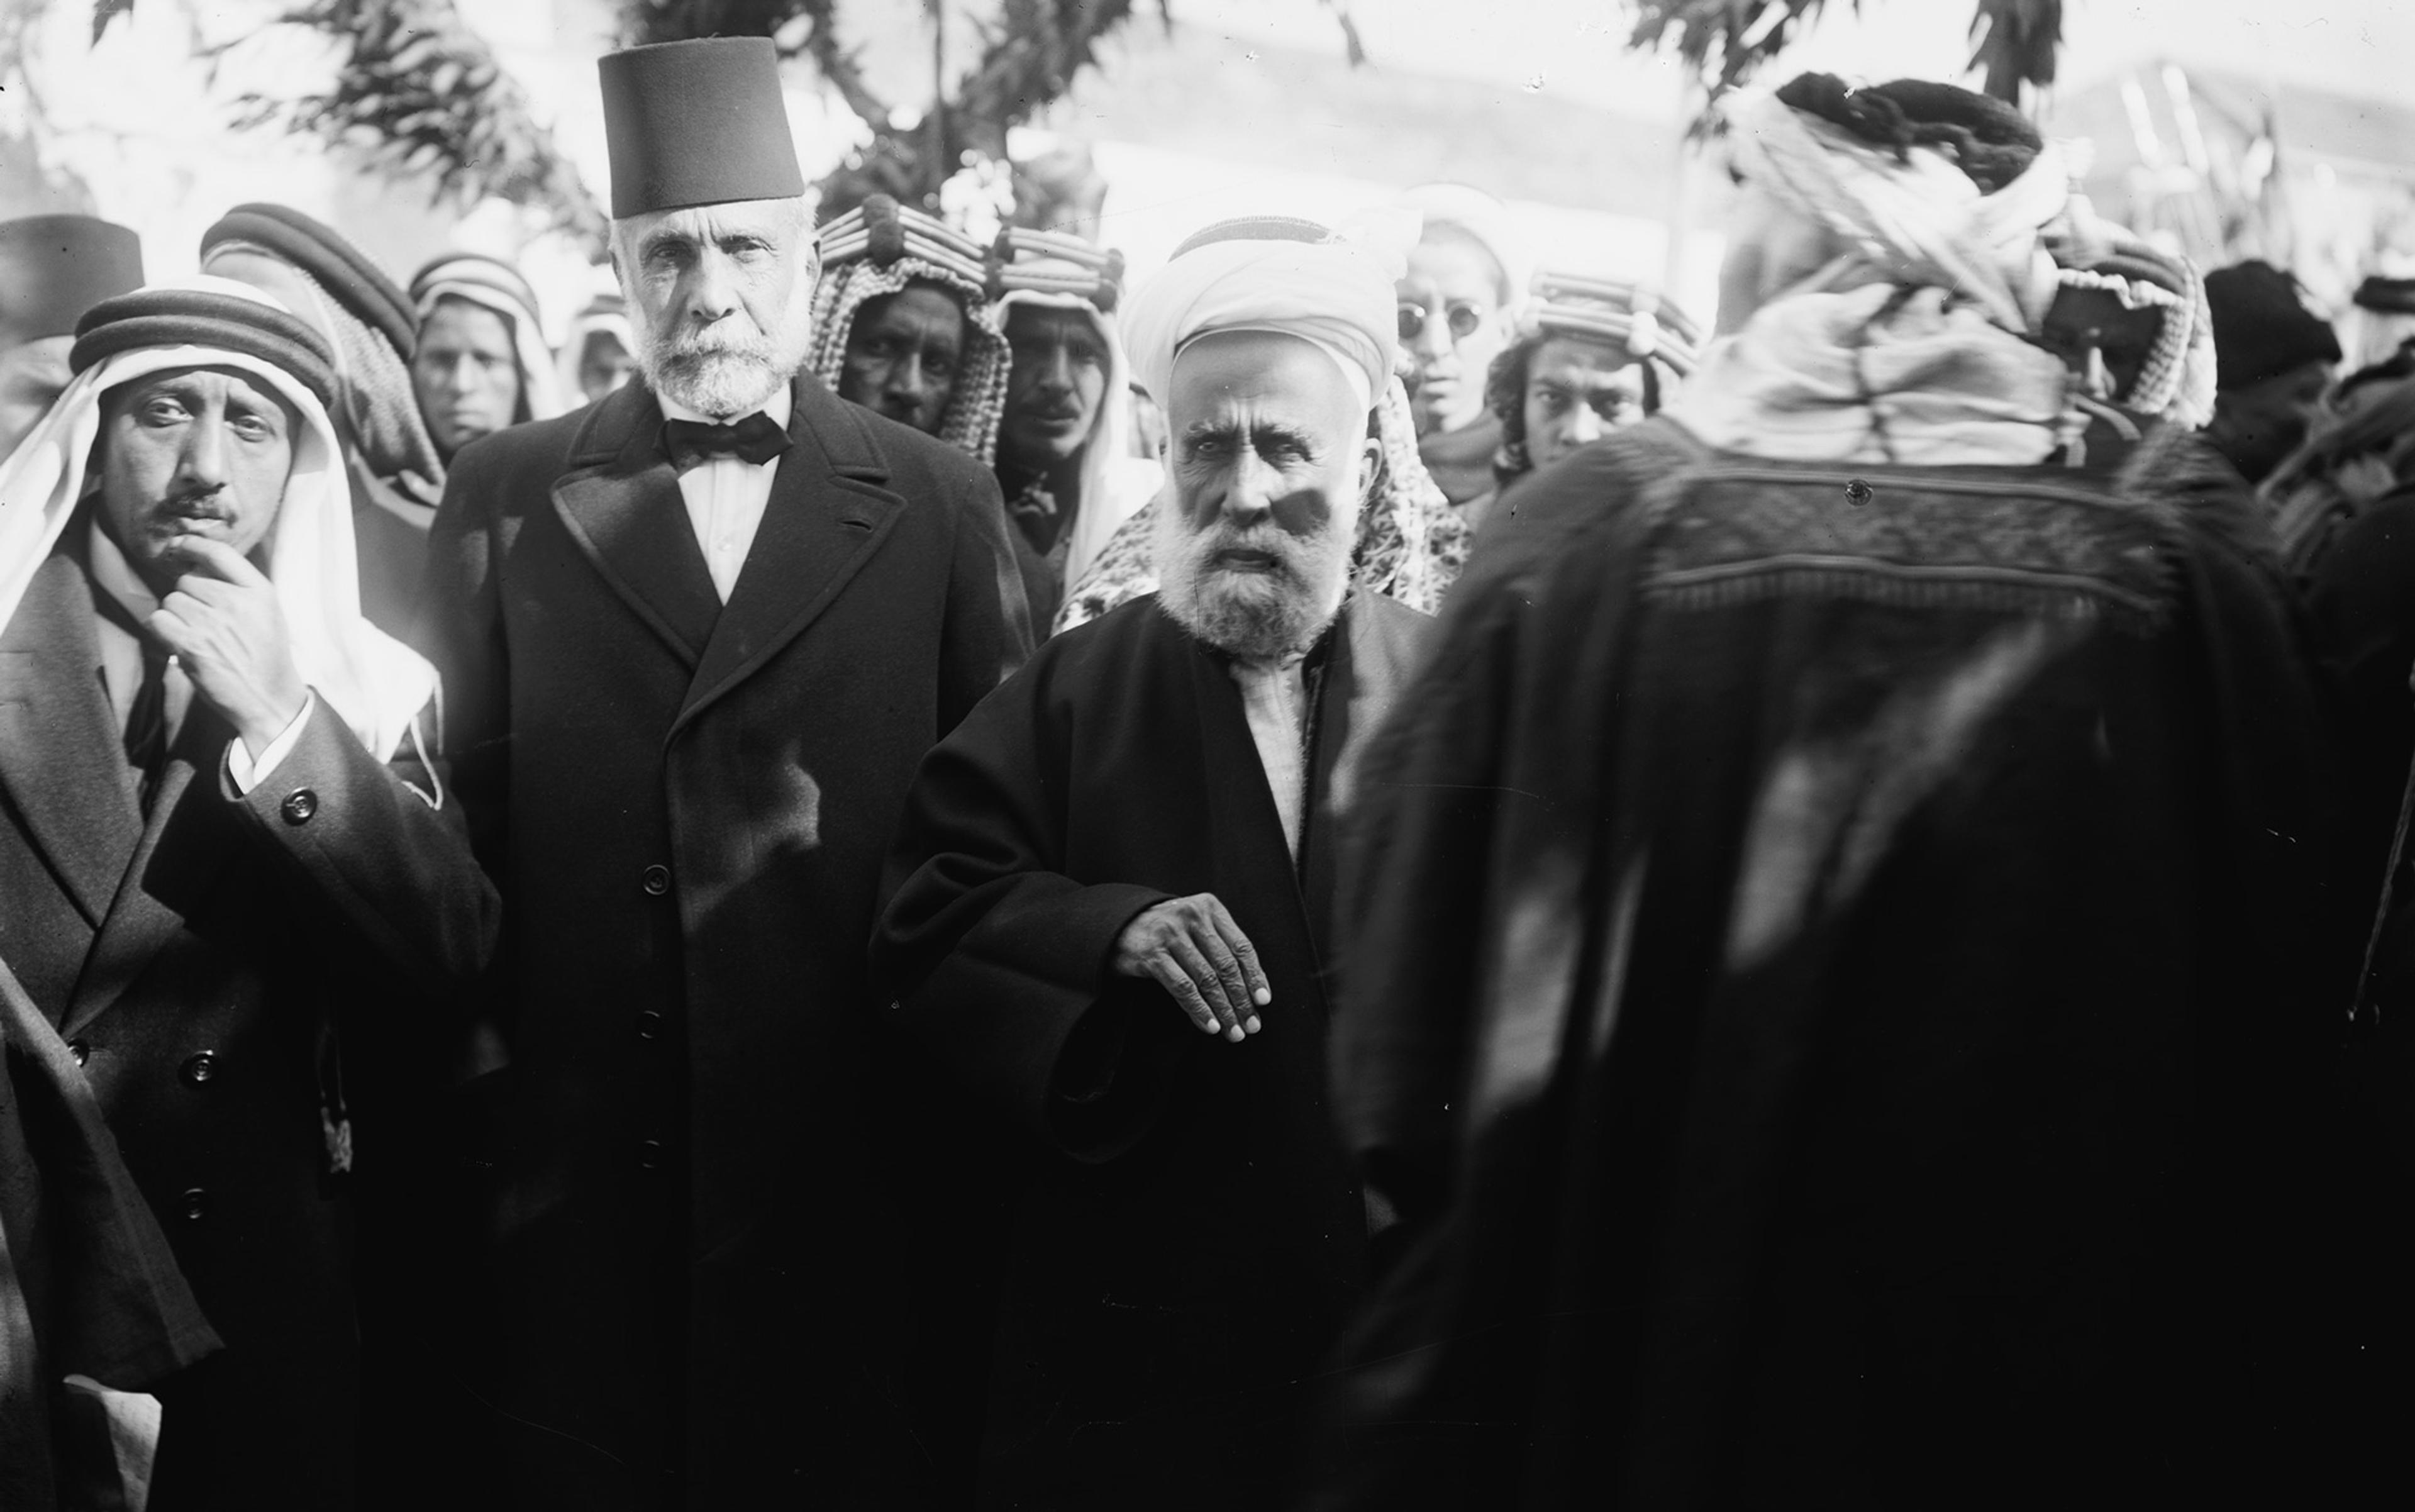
<point x="52" y="268"/>
<point x="343" y="270"/>
<point x="174" y="316"/>
<point x="697" y="123"/>
<point x="2262" y="325"/>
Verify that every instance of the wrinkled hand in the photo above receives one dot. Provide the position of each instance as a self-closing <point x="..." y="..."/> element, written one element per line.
<point x="1192" y="947"/>
<point x="223" y="622"/>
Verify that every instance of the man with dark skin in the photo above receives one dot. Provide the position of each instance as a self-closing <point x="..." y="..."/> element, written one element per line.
<point x="465" y="374"/>
<point x="902" y="354"/>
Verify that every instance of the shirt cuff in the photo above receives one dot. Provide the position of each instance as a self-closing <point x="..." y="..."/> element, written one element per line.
<point x="244" y="773"/>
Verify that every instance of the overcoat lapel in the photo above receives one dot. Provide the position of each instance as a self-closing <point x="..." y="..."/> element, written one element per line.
<point x="61" y="754"/>
<point x="826" y="515"/>
<point x="622" y="504"/>
<point x="142" y="918"/>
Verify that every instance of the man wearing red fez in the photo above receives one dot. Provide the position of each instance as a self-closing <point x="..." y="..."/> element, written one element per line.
<point x="695" y="638"/>
<point x="231" y="869"/>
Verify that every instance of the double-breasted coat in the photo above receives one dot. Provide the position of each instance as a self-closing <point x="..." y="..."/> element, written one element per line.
<point x="700" y="1233"/>
<point x="202" y="961"/>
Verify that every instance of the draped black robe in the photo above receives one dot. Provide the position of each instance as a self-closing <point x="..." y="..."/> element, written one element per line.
<point x="1186" y="1238"/>
<point x="1827" y="980"/>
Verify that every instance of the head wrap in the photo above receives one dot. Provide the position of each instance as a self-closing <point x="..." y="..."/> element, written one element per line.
<point x="1914" y="214"/>
<point x="1917" y="343"/>
<point x="1041" y="270"/>
<point x="1479" y="217"/>
<point x="1627" y="314"/>
<point x="373" y="683"/>
<point x="2176" y="381"/>
<point x="878" y="248"/>
<point x="1335" y="295"/>
<point x="2262" y="326"/>
<point x="493" y="284"/>
<point x="52" y="268"/>
<point x="699" y="122"/>
<point x="369" y="322"/>
<point x="606" y="314"/>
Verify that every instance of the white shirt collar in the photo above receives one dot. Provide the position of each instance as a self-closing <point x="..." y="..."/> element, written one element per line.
<point x="777" y="407"/>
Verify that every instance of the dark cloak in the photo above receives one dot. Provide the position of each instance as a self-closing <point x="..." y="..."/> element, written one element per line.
<point x="1821" y="996"/>
<point x="1187" y="1239"/>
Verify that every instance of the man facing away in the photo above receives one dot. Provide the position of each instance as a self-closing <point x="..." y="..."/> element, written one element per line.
<point x="1829" y="938"/>
<point x="695" y="637"/>
<point x="228" y="866"/>
<point x="1109" y="906"/>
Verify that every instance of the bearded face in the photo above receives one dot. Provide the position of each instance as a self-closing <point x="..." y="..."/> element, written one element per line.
<point x="724" y="299"/>
<point x="1269" y="461"/>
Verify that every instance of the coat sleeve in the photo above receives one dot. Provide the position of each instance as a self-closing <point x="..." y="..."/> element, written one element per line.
<point x="378" y="843"/>
<point x="999" y="961"/>
<point x="461" y="629"/>
<point x="988" y="634"/>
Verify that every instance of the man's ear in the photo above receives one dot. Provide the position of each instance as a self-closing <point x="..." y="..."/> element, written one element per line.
<point x="1370" y="470"/>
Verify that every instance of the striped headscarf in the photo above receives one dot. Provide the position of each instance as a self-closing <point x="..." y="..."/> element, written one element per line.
<point x="877" y="249"/>
<point x="493" y="284"/>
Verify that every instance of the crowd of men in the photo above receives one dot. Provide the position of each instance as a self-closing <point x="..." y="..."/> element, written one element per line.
<point x="1356" y="876"/>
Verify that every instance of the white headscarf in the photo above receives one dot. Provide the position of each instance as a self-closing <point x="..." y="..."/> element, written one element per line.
<point x="1335" y="295"/>
<point x="1116" y="483"/>
<point x="374" y="684"/>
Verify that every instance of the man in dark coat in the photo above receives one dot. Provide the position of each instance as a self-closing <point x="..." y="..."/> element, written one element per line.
<point x="1827" y="937"/>
<point x="1131" y="843"/>
<point x="690" y="664"/>
<point x="226" y="854"/>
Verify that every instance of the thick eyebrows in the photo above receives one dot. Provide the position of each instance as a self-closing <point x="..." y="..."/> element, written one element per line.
<point x="664" y="239"/>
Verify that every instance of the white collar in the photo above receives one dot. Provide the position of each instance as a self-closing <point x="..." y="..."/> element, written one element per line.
<point x="778" y="406"/>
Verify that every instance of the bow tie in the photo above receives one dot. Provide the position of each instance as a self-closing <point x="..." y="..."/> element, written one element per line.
<point x="688" y="444"/>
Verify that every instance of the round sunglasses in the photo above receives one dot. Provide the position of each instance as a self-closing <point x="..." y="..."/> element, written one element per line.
<point x="1460" y="317"/>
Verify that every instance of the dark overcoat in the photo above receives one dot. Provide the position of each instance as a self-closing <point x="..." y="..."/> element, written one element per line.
<point x="1830" y="996"/>
<point x="698" y="1237"/>
<point x="203" y="963"/>
<point x="1187" y="1238"/>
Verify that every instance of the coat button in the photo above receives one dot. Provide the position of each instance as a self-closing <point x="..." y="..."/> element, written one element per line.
<point x="299" y="805"/>
<point x="649" y="1154"/>
<point x="80" y="1050"/>
<point x="650" y="1024"/>
<point x="195" y="1203"/>
<point x="656" y="881"/>
<point x="199" y="1068"/>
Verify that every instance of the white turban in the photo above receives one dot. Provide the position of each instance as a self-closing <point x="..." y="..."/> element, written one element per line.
<point x="1335" y="295"/>
<point x="373" y="683"/>
<point x="1920" y="220"/>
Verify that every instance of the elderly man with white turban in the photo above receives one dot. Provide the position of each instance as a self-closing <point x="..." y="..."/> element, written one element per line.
<point x="1831" y="955"/>
<point x="1110" y="899"/>
<point x="227" y="861"/>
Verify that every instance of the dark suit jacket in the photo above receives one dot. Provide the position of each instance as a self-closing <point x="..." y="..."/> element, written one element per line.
<point x="700" y="1237"/>
<point x="198" y="963"/>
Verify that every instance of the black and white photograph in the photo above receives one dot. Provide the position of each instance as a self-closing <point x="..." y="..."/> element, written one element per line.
<point x="1206" y="755"/>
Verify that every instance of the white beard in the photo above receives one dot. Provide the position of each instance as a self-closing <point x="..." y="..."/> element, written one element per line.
<point x="1252" y="616"/>
<point x="721" y="373"/>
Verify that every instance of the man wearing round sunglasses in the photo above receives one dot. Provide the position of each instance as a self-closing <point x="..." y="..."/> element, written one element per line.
<point x="1454" y="305"/>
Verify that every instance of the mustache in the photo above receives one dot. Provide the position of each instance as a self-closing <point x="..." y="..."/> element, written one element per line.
<point x="196" y="504"/>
